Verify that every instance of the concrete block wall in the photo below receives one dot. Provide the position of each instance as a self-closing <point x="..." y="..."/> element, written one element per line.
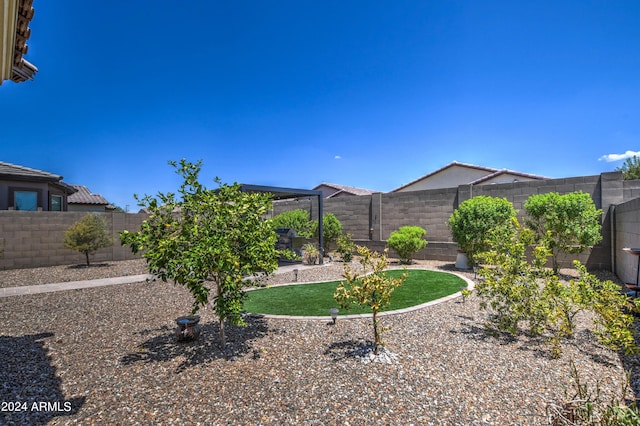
<point x="374" y="217"/>
<point x="627" y="234"/>
<point x="33" y="239"/>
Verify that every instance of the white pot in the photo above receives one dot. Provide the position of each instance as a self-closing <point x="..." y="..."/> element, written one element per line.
<point x="462" y="262"/>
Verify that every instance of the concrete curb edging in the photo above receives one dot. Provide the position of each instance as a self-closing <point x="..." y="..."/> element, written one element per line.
<point x="470" y="286"/>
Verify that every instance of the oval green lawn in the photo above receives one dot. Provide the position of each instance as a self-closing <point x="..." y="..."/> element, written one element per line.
<point x="316" y="299"/>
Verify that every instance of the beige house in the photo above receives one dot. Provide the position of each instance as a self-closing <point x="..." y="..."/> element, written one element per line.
<point x="333" y="190"/>
<point x="15" y="16"/>
<point x="454" y="174"/>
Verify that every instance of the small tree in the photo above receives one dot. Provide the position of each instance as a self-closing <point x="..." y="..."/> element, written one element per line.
<point x="294" y="219"/>
<point x="370" y="287"/>
<point x="568" y="223"/>
<point x="631" y="168"/>
<point x="474" y="218"/>
<point x="407" y="241"/>
<point x="216" y="236"/>
<point x="88" y="235"/>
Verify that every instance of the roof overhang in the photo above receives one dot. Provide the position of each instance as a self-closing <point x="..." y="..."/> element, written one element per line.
<point x="281" y="193"/>
<point x="15" y="16"/>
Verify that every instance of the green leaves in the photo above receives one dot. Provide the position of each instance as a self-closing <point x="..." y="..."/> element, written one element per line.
<point x="88" y="235"/>
<point x="518" y="289"/>
<point x="370" y="287"/>
<point x="406" y="241"/>
<point x="630" y="168"/>
<point x="207" y="238"/>
<point x="568" y="223"/>
<point x="474" y="218"/>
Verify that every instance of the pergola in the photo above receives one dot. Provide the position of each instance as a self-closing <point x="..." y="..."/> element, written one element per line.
<point x="289" y="193"/>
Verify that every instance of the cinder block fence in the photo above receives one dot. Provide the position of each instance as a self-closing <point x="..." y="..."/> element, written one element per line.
<point x="31" y="239"/>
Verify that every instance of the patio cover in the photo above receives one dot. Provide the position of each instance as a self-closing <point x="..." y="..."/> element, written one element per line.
<point x="289" y="193"/>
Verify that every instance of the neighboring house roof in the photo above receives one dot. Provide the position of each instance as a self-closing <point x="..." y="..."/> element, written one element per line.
<point x="507" y="172"/>
<point x="475" y="174"/>
<point x="84" y="196"/>
<point x="17" y="14"/>
<point x="343" y="190"/>
<point x="14" y="172"/>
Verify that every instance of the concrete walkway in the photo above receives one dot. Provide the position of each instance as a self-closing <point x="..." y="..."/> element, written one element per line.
<point x="74" y="285"/>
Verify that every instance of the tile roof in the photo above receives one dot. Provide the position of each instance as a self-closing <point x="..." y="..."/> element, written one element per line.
<point x="13" y="170"/>
<point x="22" y="70"/>
<point x="10" y="171"/>
<point x="348" y="189"/>
<point x="84" y="196"/>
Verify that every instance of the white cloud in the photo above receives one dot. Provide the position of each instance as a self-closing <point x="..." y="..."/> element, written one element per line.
<point x="617" y="157"/>
<point x="337" y="157"/>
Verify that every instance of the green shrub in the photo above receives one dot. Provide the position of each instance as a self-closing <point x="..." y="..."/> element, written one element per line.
<point x="346" y="247"/>
<point x="474" y="218"/>
<point x="331" y="230"/>
<point x="294" y="219"/>
<point x="519" y="289"/>
<point x="568" y="223"/>
<point x="406" y="241"/>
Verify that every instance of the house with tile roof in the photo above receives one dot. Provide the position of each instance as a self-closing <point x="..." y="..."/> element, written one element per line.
<point x="23" y="188"/>
<point x="454" y="174"/>
<point x="333" y="190"/>
<point x="83" y="200"/>
<point x="15" y="15"/>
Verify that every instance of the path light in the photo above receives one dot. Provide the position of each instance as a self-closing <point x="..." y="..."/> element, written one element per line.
<point x="295" y="275"/>
<point x="334" y="314"/>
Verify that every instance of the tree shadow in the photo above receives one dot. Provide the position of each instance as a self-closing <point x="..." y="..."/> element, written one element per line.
<point x="164" y="347"/>
<point x="92" y="265"/>
<point x="30" y="388"/>
<point x="338" y="351"/>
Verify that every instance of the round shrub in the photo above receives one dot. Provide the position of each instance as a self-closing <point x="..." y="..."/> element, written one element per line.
<point x="474" y="218"/>
<point x="406" y="241"/>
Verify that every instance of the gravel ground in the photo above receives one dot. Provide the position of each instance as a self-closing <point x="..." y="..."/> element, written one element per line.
<point x="108" y="355"/>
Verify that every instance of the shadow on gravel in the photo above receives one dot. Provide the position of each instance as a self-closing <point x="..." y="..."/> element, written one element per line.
<point x="348" y="349"/>
<point x="584" y="341"/>
<point x="93" y="265"/>
<point x="164" y="347"/>
<point x="31" y="391"/>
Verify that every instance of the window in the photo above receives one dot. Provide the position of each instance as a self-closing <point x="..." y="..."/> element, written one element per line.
<point x="56" y="203"/>
<point x="25" y="200"/>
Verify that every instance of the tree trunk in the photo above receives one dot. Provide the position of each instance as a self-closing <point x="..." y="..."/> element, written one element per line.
<point x="86" y="253"/>
<point x="223" y="337"/>
<point x="376" y="334"/>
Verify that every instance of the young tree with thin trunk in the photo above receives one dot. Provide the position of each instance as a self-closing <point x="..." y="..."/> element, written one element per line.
<point x="88" y="235"/>
<point x="371" y="287"/>
<point x="208" y="240"/>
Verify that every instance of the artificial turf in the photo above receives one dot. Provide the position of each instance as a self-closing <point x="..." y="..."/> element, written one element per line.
<point x="316" y="299"/>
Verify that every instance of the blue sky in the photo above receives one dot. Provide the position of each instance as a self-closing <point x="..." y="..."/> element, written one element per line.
<point x="370" y="94"/>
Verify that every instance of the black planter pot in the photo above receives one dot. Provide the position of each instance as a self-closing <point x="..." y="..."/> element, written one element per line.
<point x="188" y="328"/>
